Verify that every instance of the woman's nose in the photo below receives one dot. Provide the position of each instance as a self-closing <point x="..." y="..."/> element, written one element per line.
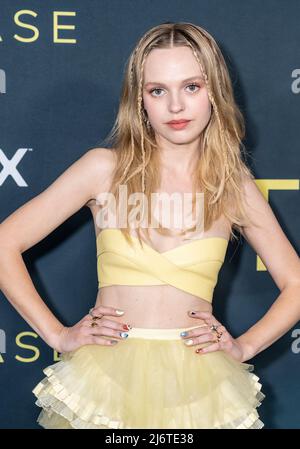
<point x="176" y="103"/>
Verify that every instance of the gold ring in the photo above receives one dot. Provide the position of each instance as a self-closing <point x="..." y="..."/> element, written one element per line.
<point x="219" y="337"/>
<point x="93" y="324"/>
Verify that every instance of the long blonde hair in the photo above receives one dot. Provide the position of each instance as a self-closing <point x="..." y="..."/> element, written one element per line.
<point x="220" y="169"/>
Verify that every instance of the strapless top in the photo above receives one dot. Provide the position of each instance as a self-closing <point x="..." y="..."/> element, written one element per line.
<point x="192" y="267"/>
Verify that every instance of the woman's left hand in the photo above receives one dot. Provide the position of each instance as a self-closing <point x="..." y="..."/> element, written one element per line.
<point x="205" y="334"/>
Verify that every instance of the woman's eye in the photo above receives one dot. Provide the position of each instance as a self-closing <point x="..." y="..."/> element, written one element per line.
<point x="193" y="85"/>
<point x="158" y="89"/>
<point x="153" y="90"/>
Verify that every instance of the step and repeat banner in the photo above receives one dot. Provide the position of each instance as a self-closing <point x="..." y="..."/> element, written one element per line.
<point x="61" y="67"/>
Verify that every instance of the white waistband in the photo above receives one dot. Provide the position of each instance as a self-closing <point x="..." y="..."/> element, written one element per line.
<point x="159" y="334"/>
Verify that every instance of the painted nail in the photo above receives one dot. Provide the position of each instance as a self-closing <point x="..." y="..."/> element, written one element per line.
<point x="188" y="342"/>
<point x="183" y="334"/>
<point x="127" y="327"/>
<point x="191" y="312"/>
<point x="113" y="342"/>
<point x="123" y="335"/>
<point x="198" y="350"/>
<point x="119" y="312"/>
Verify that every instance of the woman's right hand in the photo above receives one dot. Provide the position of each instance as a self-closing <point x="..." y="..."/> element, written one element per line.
<point x="82" y="333"/>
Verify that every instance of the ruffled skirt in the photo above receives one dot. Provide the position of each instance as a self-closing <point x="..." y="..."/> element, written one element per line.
<point x="151" y="380"/>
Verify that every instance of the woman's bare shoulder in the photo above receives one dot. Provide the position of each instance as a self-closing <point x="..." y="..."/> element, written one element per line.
<point x="106" y="157"/>
<point x="103" y="161"/>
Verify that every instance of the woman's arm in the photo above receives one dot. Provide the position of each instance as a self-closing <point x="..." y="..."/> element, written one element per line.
<point x="37" y="218"/>
<point x="282" y="261"/>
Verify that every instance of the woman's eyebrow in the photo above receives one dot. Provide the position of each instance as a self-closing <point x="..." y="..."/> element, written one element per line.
<point x="183" y="81"/>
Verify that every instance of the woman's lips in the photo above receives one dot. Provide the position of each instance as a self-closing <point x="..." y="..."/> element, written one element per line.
<point x="179" y="125"/>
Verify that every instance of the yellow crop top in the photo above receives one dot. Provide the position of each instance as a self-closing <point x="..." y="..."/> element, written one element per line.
<point x="192" y="267"/>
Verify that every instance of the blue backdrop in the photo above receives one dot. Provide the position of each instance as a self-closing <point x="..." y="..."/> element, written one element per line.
<point x="61" y="68"/>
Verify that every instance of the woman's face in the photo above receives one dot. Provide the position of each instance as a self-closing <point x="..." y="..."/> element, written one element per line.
<point x="173" y="90"/>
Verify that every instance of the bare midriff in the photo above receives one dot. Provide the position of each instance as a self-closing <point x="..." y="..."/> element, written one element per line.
<point x="155" y="306"/>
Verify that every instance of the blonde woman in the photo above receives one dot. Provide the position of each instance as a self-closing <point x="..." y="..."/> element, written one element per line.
<point x="150" y="353"/>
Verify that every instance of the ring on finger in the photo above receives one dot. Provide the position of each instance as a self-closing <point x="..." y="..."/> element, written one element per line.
<point x="95" y="317"/>
<point x="218" y="337"/>
<point x="93" y="324"/>
<point x="214" y="328"/>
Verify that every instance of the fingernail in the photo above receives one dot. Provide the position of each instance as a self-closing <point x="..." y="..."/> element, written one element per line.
<point x="119" y="312"/>
<point x="188" y="342"/>
<point x="113" y="342"/>
<point x="191" y="312"/>
<point x="127" y="327"/>
<point x="123" y="335"/>
<point x="183" y="334"/>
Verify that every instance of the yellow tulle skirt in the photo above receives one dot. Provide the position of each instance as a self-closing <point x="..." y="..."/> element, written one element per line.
<point x="151" y="380"/>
